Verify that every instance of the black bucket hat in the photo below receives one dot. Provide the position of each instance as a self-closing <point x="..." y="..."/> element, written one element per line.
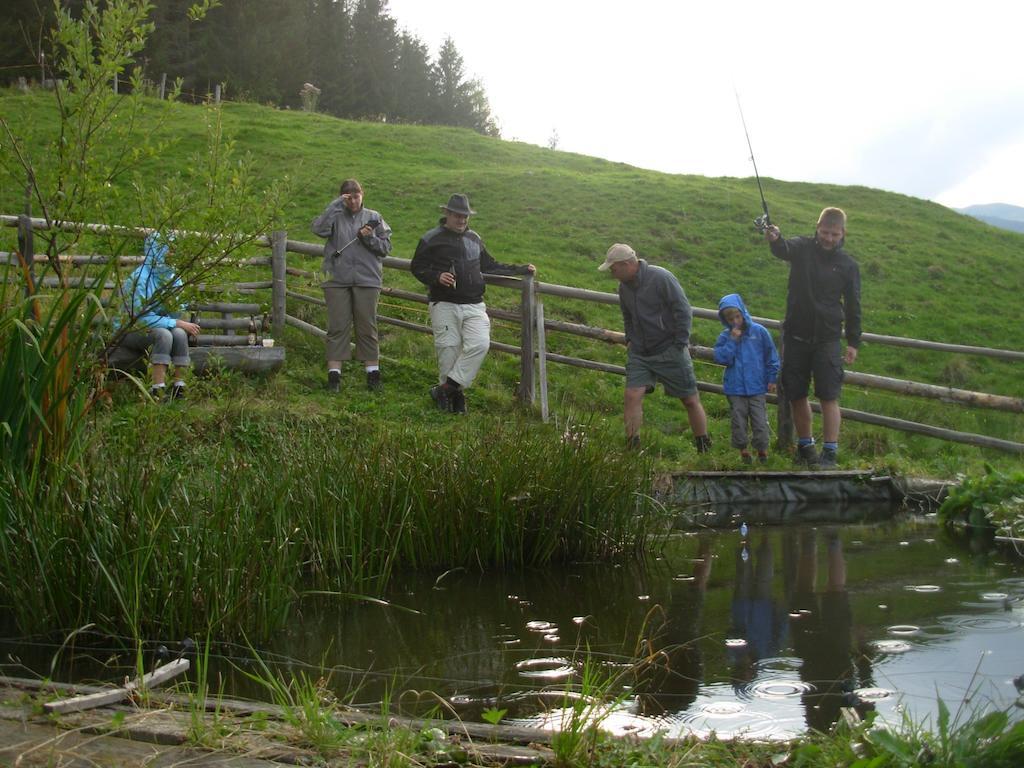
<point x="458" y="203"/>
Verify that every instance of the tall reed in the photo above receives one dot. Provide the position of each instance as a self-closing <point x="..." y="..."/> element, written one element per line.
<point x="174" y="531"/>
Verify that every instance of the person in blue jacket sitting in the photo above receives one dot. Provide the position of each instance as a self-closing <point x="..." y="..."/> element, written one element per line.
<point x="751" y="363"/>
<point x="150" y="303"/>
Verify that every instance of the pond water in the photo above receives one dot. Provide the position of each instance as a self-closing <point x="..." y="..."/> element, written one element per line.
<point x="759" y="635"/>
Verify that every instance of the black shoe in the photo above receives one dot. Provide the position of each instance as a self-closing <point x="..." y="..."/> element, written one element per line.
<point x="703" y="443"/>
<point x="158" y="393"/>
<point x="807" y="456"/>
<point x="373" y="381"/>
<point x="828" y="459"/>
<point x="762" y="458"/>
<point x="178" y="392"/>
<point x="633" y="443"/>
<point x="334" y="381"/>
<point x="457" y="401"/>
<point x="439" y="395"/>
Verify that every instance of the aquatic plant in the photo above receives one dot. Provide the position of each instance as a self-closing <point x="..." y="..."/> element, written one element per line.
<point x="994" y="498"/>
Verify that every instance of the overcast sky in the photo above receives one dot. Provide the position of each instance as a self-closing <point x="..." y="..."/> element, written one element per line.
<point x="923" y="98"/>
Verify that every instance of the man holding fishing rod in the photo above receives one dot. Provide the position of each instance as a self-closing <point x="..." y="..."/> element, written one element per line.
<point x="823" y="296"/>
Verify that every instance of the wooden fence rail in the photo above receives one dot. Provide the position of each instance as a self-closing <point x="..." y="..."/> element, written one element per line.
<point x="532" y="349"/>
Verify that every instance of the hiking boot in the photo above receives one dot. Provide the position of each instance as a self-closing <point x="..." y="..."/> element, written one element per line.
<point x="439" y="394"/>
<point x="807" y="456"/>
<point x="178" y="392"/>
<point x="703" y="443"/>
<point x="828" y="459"/>
<point x="762" y="457"/>
<point x="457" y="401"/>
<point x="373" y="382"/>
<point x="746" y="458"/>
<point x="334" y="381"/>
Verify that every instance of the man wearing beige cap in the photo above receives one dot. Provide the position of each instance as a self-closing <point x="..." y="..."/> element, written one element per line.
<point x="657" y="318"/>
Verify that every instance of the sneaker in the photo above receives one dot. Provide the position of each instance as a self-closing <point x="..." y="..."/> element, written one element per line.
<point x="439" y="395"/>
<point x="807" y="456"/>
<point x="703" y="443"/>
<point x="178" y="392"/>
<point x="828" y="459"/>
<point x="334" y="381"/>
<point x="373" y="381"/>
<point x="457" y="401"/>
<point x="158" y="393"/>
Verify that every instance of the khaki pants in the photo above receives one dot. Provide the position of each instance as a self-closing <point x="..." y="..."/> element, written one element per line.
<point x="462" y="336"/>
<point x="348" y="305"/>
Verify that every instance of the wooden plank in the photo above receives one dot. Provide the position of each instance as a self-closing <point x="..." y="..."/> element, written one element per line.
<point x="254" y="360"/>
<point x="279" y="285"/>
<point x="93" y="700"/>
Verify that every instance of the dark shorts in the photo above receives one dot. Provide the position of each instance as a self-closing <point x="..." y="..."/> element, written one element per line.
<point x="801" y="360"/>
<point x="673" y="368"/>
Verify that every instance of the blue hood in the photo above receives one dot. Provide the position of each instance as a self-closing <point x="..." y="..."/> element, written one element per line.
<point x="736" y="301"/>
<point x="145" y="293"/>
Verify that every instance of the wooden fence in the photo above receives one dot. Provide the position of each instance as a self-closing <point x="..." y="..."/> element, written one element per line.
<point x="534" y="327"/>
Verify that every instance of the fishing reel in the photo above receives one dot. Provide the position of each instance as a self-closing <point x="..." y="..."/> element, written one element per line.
<point x="761" y="223"/>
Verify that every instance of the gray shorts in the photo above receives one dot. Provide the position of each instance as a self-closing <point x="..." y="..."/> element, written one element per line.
<point x="801" y="360"/>
<point x="673" y="368"/>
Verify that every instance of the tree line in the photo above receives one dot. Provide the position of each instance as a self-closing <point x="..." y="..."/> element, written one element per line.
<point x="353" y="51"/>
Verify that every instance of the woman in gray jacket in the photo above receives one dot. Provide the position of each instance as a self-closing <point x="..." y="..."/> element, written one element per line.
<point x="358" y="239"/>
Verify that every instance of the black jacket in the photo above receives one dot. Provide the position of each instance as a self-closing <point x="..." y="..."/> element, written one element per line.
<point x="824" y="291"/>
<point x="464" y="254"/>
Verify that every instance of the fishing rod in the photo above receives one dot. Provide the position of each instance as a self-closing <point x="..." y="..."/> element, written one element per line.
<point x="761" y="222"/>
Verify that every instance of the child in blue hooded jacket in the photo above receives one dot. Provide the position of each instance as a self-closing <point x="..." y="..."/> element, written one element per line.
<point x="751" y="363"/>
<point x="150" y="303"/>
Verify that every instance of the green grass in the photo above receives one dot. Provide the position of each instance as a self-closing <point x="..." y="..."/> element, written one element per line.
<point x="927" y="271"/>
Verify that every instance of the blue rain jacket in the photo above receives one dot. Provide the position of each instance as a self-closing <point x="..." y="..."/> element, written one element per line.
<point x="150" y="292"/>
<point x="752" y="362"/>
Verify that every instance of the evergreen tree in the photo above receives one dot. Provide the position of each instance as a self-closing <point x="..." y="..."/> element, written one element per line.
<point x="459" y="101"/>
<point x="414" y="87"/>
<point x="371" y="59"/>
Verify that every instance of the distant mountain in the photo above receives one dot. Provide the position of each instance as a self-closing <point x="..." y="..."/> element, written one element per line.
<point x="1000" y="215"/>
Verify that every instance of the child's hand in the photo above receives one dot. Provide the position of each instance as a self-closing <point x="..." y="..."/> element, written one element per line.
<point x="736" y="332"/>
<point x="772" y="388"/>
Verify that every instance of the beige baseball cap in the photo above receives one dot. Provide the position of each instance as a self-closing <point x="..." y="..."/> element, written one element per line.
<point x="618" y="252"/>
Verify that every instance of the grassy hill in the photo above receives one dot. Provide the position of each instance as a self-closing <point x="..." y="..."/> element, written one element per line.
<point x="928" y="272"/>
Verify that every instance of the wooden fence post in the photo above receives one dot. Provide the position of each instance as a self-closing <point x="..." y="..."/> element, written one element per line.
<point x="26" y="247"/>
<point x="542" y="360"/>
<point x="216" y="94"/>
<point x="527" y="311"/>
<point x="784" y="416"/>
<point x="163" y="85"/>
<point x="278" y="264"/>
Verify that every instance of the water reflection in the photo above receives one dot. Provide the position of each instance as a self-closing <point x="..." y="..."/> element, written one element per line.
<point x="763" y="633"/>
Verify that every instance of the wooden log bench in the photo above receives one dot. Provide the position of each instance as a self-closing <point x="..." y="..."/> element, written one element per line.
<point x="222" y="349"/>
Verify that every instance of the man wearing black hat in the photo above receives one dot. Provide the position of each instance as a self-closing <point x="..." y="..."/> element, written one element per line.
<point x="450" y="260"/>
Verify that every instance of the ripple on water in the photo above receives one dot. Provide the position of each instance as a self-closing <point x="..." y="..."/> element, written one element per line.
<point x="553" y="668"/>
<point x="541" y="626"/>
<point x="904" y="629"/>
<point x="923" y="588"/>
<point x="728" y="720"/>
<point x="994" y="597"/>
<point x="873" y="694"/>
<point x="891" y="646"/>
<point x="775" y="689"/>
<point x="735" y="642"/>
<point x="991" y="623"/>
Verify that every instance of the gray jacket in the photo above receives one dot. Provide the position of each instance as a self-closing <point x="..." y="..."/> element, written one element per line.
<point x="655" y="311"/>
<point x="349" y="263"/>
